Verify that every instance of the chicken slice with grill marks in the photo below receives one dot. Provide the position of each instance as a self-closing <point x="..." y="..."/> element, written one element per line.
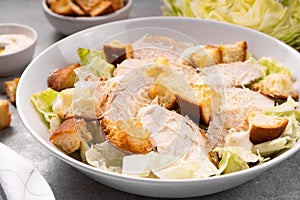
<point x="153" y="46"/>
<point x="129" y="96"/>
<point x="234" y="74"/>
<point x="171" y="132"/>
<point x="182" y="150"/>
<point x="128" y="65"/>
<point x="187" y="72"/>
<point x="211" y="82"/>
<point x="236" y="102"/>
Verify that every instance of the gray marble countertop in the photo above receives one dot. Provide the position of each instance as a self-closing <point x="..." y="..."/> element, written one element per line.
<point x="281" y="182"/>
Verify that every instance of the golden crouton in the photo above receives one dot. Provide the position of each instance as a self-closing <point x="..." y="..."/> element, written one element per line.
<point x="116" y="52"/>
<point x="11" y="88"/>
<point x="208" y="99"/>
<point x="201" y="107"/>
<point x="127" y="135"/>
<point x="5" y="115"/>
<point x="278" y="85"/>
<point x="117" y="4"/>
<point x="49" y="2"/>
<point x="164" y="96"/>
<point x="63" y="78"/>
<point x="216" y="54"/>
<point x="69" y="134"/>
<point x="95" y="7"/>
<point x="104" y="7"/>
<point x="208" y="56"/>
<point x="77" y="9"/>
<point x="87" y="5"/>
<point x="234" y="52"/>
<point x="84" y="7"/>
<point x="263" y="127"/>
<point x="62" y="7"/>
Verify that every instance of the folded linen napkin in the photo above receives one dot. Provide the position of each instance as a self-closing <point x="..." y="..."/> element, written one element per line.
<point x="19" y="179"/>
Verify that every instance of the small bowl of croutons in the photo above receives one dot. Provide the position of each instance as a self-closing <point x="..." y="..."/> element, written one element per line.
<point x="70" y="16"/>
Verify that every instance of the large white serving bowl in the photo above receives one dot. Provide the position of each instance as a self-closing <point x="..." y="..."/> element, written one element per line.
<point x="62" y="53"/>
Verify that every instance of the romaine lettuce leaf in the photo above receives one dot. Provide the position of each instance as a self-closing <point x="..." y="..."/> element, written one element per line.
<point x="290" y="110"/>
<point x="86" y="55"/>
<point x="93" y="65"/>
<point x="231" y="162"/>
<point x="287" y="108"/>
<point x="272" y="66"/>
<point x="274" y="146"/>
<point x="235" y="158"/>
<point x="43" y="102"/>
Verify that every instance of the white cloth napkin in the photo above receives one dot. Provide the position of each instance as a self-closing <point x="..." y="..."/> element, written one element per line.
<point x="19" y="179"/>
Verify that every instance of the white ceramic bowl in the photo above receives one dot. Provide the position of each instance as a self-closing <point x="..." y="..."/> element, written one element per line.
<point x="68" y="24"/>
<point x="16" y="61"/>
<point x="206" y="32"/>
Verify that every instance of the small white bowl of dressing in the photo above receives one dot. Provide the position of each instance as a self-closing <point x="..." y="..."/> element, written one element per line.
<point x="17" y="45"/>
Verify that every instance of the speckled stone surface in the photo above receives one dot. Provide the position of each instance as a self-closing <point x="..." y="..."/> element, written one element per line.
<point x="67" y="183"/>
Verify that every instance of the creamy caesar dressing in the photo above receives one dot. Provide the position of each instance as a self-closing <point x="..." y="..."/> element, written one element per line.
<point x="10" y="43"/>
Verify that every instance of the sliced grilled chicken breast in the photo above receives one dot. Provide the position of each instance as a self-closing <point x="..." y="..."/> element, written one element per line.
<point x="153" y="46"/>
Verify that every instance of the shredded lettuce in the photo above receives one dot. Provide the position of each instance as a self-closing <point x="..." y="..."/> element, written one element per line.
<point x="272" y="66"/>
<point x="286" y="109"/>
<point x="279" y="19"/>
<point x="86" y="55"/>
<point x="290" y="110"/>
<point x="43" y="102"/>
<point x="235" y="158"/>
<point x="274" y="146"/>
<point x="93" y="65"/>
<point x="231" y="162"/>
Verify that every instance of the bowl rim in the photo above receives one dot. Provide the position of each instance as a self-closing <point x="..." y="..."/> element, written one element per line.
<point x="24" y="27"/>
<point x="87" y="18"/>
<point x="85" y="167"/>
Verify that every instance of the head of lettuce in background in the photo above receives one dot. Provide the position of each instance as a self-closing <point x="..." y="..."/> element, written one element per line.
<point x="280" y="19"/>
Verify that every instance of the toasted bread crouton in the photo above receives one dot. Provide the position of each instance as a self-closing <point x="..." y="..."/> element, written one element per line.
<point x="164" y="96"/>
<point x="87" y="5"/>
<point x="234" y="52"/>
<point x="208" y="99"/>
<point x="95" y="7"/>
<point x="63" y="78"/>
<point x="103" y="8"/>
<point x="127" y="135"/>
<point x="117" y="4"/>
<point x="264" y="127"/>
<point x="69" y="134"/>
<point x="62" y="7"/>
<point x="5" y="115"/>
<point x="200" y="107"/>
<point x="77" y="9"/>
<point x="49" y="2"/>
<point x="116" y="52"/>
<point x="208" y="56"/>
<point x="278" y="85"/>
<point x="11" y="88"/>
